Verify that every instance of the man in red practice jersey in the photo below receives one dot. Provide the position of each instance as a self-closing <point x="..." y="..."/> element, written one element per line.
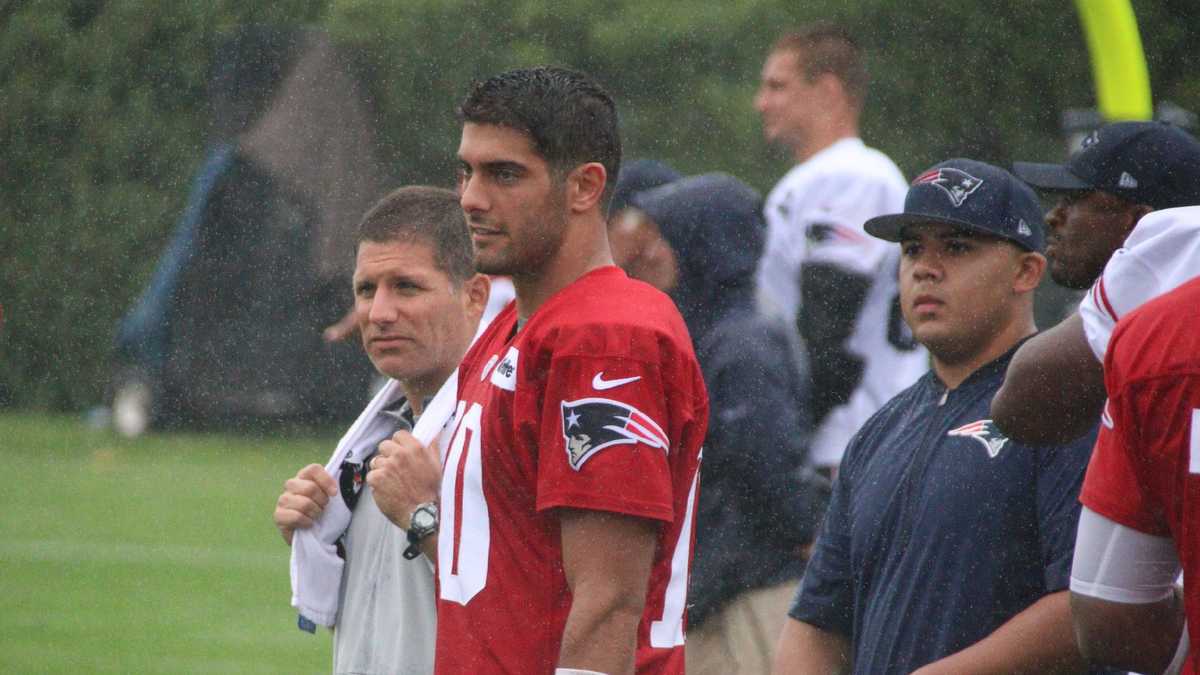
<point x="1141" y="496"/>
<point x="568" y="489"/>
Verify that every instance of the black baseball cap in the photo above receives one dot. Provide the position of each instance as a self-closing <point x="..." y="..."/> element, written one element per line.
<point x="969" y="194"/>
<point x="1152" y="163"/>
<point x="639" y="175"/>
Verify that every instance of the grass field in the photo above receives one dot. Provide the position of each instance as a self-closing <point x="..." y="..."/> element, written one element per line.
<point x="154" y="555"/>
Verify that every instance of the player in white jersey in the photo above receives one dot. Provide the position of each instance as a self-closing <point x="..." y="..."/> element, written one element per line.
<point x="820" y="270"/>
<point x="1118" y="229"/>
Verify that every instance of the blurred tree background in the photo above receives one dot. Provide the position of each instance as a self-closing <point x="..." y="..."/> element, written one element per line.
<point x="103" y="118"/>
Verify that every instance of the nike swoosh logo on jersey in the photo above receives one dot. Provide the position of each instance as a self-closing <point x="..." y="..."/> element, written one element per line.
<point x="600" y="384"/>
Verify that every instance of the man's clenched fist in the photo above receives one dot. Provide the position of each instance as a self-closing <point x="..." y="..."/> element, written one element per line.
<point x="403" y="475"/>
<point x="304" y="498"/>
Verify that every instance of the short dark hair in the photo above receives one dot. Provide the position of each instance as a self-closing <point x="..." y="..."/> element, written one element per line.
<point x="568" y="115"/>
<point x="828" y="48"/>
<point x="428" y="214"/>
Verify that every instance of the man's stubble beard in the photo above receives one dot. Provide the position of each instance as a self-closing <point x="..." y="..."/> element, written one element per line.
<point x="529" y="257"/>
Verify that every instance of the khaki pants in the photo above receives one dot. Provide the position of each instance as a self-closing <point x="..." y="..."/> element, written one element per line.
<point x="740" y="639"/>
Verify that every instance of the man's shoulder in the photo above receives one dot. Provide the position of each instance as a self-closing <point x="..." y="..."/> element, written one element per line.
<point x="1160" y="336"/>
<point x="849" y="159"/>
<point x="1181" y="223"/>
<point x="607" y="312"/>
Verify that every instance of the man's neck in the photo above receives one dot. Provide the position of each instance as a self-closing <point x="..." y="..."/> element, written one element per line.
<point x="419" y="391"/>
<point x="822" y="139"/>
<point x="954" y="371"/>
<point x="584" y="248"/>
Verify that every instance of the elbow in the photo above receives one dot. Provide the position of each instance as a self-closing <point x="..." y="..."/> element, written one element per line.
<point x="608" y="604"/>
<point x="1037" y="421"/>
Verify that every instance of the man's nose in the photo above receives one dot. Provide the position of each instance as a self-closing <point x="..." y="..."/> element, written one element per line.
<point x="926" y="268"/>
<point x="471" y="195"/>
<point x="760" y="101"/>
<point x="1056" y="217"/>
<point x="383" y="307"/>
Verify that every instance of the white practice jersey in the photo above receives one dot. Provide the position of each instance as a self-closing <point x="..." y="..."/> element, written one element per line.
<point x="1161" y="253"/>
<point x="815" y="215"/>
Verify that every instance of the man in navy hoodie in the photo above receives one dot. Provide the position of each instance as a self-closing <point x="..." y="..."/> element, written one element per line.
<point x="699" y="239"/>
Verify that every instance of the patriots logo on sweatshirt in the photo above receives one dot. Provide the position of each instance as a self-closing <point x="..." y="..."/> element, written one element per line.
<point x="986" y="432"/>
<point x="592" y="424"/>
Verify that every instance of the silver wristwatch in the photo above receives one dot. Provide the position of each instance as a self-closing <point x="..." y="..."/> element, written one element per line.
<point x="422" y="523"/>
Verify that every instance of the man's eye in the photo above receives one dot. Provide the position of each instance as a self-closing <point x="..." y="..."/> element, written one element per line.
<point x="910" y="249"/>
<point x="956" y="246"/>
<point x="364" y="291"/>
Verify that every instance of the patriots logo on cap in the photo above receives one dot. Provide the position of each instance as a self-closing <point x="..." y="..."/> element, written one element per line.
<point x="593" y="424"/>
<point x="984" y="431"/>
<point x="956" y="183"/>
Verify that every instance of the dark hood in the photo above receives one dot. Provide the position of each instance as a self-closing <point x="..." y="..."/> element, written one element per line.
<point x="715" y="226"/>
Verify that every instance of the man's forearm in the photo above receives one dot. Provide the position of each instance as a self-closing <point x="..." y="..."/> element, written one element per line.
<point x="1038" y="640"/>
<point x="805" y="649"/>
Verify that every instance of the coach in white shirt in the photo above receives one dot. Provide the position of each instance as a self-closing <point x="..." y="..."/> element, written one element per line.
<point x="417" y="302"/>
<point x="820" y="270"/>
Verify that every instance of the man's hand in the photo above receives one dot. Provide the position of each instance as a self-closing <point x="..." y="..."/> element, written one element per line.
<point x="342" y="329"/>
<point x="403" y="475"/>
<point x="304" y="498"/>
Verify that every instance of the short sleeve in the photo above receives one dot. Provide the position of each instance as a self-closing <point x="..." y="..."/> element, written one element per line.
<point x="832" y="222"/>
<point x="1112" y="487"/>
<point x="603" y="440"/>
<point x="1126" y="283"/>
<point x="1158" y="256"/>
<point x="825" y="598"/>
<point x="1060" y="476"/>
<point x="818" y="217"/>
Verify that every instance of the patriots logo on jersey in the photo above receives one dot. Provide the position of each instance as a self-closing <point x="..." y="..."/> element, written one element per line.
<point x="984" y="431"/>
<point x="957" y="184"/>
<point x="593" y="424"/>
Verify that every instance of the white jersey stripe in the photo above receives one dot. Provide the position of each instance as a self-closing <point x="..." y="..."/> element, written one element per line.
<point x="1194" y="448"/>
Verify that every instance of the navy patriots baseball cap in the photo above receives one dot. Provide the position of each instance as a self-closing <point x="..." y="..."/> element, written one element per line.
<point x="973" y="195"/>
<point x="639" y="175"/>
<point x="1151" y="163"/>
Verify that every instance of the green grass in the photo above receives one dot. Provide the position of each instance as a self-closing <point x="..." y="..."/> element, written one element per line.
<point x="155" y="555"/>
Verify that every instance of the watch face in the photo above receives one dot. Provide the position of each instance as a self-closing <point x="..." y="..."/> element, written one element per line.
<point x="423" y="520"/>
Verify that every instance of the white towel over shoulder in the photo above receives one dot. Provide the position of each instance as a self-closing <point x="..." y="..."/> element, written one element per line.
<point x="316" y="568"/>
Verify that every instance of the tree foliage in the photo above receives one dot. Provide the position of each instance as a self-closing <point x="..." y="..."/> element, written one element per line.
<point x="103" y="119"/>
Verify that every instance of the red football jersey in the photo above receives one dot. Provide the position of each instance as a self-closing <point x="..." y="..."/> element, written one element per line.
<point x="1145" y="471"/>
<point x="598" y="403"/>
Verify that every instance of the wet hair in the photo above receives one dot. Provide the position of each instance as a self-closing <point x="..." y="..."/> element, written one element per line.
<point x="827" y="48"/>
<point x="568" y="116"/>
<point x="430" y="215"/>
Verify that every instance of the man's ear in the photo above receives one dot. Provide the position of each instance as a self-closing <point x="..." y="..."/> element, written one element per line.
<point x="830" y="88"/>
<point x="1138" y="212"/>
<point x="1030" y="268"/>
<point x="585" y="186"/>
<point x="475" y="293"/>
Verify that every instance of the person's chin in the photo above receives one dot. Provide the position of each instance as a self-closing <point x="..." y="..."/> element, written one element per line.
<point x="1064" y="276"/>
<point x="487" y="263"/>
